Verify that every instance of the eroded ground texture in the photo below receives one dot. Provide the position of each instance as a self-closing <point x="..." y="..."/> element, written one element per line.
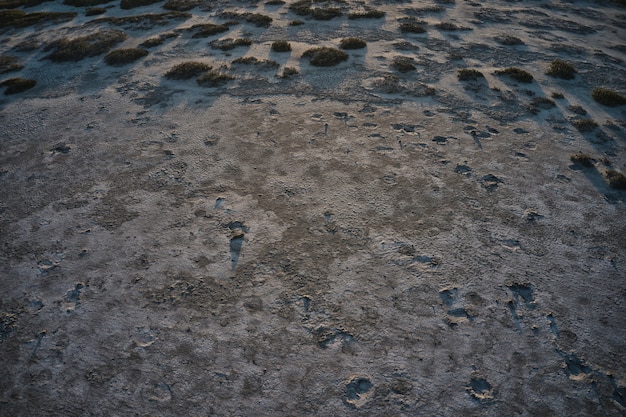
<point x="332" y="244"/>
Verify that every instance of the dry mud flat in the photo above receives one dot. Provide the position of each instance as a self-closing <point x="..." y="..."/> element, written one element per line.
<point x="349" y="240"/>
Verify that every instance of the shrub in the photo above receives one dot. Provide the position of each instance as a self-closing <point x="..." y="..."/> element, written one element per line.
<point x="325" y="13"/>
<point x="85" y="3"/>
<point x="208" y="29"/>
<point x="466" y="74"/>
<point x="281" y="46"/>
<point x="250" y="60"/>
<point x="83" y="47"/>
<point x="95" y="11"/>
<point x="181" y="5"/>
<point x="608" y="97"/>
<point x="368" y="14"/>
<point x="540" y="103"/>
<point x="259" y="20"/>
<point x="274" y="3"/>
<point x="9" y="64"/>
<point x="143" y="20"/>
<point x="616" y="180"/>
<point x="296" y="23"/>
<point x="228" y="44"/>
<point x="158" y="40"/>
<point x="21" y="19"/>
<point x="289" y="71"/>
<point x="187" y="70"/>
<point x="214" y="79"/>
<point x="412" y="27"/>
<point x="584" y="125"/>
<point x="582" y="159"/>
<point x="557" y="95"/>
<point x="119" y="57"/>
<point x="509" y="40"/>
<point x="517" y="74"/>
<point x="402" y="64"/>
<point x="561" y="69"/>
<point x="17" y="85"/>
<point x="131" y="4"/>
<point x="449" y="27"/>
<point x="352" y="43"/>
<point x="324" y="56"/>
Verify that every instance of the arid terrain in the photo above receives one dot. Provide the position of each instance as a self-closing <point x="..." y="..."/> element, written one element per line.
<point x="202" y="214"/>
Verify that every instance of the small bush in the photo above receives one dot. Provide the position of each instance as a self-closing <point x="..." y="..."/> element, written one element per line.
<point x="274" y="3"/>
<point x="207" y="29"/>
<point x="412" y="27"/>
<point x="584" y="125"/>
<point x="65" y="49"/>
<point x="181" y="5"/>
<point x="21" y="19"/>
<point x="517" y="74"/>
<point x="540" y="103"/>
<point x="259" y="20"/>
<point x="402" y="64"/>
<point x="449" y="27"/>
<point x="368" y="14"/>
<point x="352" y="43"/>
<point x="281" y="46"/>
<point x="131" y="4"/>
<point x="557" y="95"/>
<point x="95" y="11"/>
<point x="579" y="110"/>
<point x="509" y="40"/>
<point x="214" y="79"/>
<point x="85" y="3"/>
<point x="187" y="70"/>
<point x="289" y="71"/>
<point x="616" y="180"/>
<point x="17" y="85"/>
<point x="467" y="74"/>
<point x="608" y="97"/>
<point x="561" y="69"/>
<point x="119" y="57"/>
<point x="9" y="64"/>
<point x="158" y="40"/>
<point x="143" y="21"/>
<point x="228" y="44"/>
<point x="250" y="60"/>
<point x="582" y="159"/>
<point x="296" y="23"/>
<point x="325" y="14"/>
<point x="325" y="56"/>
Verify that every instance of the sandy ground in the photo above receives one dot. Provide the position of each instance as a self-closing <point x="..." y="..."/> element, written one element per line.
<point x="350" y="240"/>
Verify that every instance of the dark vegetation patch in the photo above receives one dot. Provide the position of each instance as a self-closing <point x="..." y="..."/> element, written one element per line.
<point x="584" y="125"/>
<point x="579" y="110"/>
<point x="17" y="85"/>
<point x="259" y="20"/>
<point x="95" y="11"/>
<point x="123" y="56"/>
<point x="421" y="11"/>
<point x="158" y="40"/>
<point x="352" y="43"/>
<point x="538" y="104"/>
<point x="318" y="11"/>
<point x="450" y="27"/>
<point x="207" y="29"/>
<point x="517" y="74"/>
<point x="509" y="40"/>
<point x="616" y="180"/>
<point x="274" y="3"/>
<point x="281" y="46"/>
<point x="467" y="74"/>
<point x="412" y="27"/>
<point x="608" y="97"/>
<point x="582" y="159"/>
<point x="402" y="64"/>
<point x="187" y="70"/>
<point x="143" y="21"/>
<point x="9" y="64"/>
<point x="181" y="5"/>
<point x="228" y="44"/>
<point x="561" y="69"/>
<point x="250" y="60"/>
<point x="557" y="95"/>
<point x="367" y="14"/>
<point x="214" y="79"/>
<point x="75" y="49"/>
<point x="14" y="4"/>
<point x="296" y="23"/>
<point x="21" y="19"/>
<point x="325" y="56"/>
<point x="289" y="72"/>
<point x="85" y="3"/>
<point x="131" y="4"/>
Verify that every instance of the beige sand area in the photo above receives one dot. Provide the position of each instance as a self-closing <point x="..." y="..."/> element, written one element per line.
<point x="373" y="238"/>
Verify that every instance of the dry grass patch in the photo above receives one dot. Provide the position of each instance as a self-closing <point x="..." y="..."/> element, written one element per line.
<point x="131" y="4"/>
<point x="259" y="20"/>
<point x="143" y="21"/>
<point x="616" y="180"/>
<point x="412" y="27"/>
<point x="367" y="14"/>
<point x="318" y="11"/>
<point x="9" y="64"/>
<point x="517" y="74"/>
<point x="608" y="97"/>
<point x="561" y="69"/>
<point x="228" y="44"/>
<point x="582" y="159"/>
<point x="14" y="4"/>
<point x="75" y="49"/>
<point x="467" y="74"/>
<point x="325" y="56"/>
<point x="251" y="60"/>
<point x="214" y="79"/>
<point x="21" y="19"/>
<point x="17" y="85"/>
<point x="352" y="43"/>
<point x="95" y="11"/>
<point x="509" y="40"/>
<point x="207" y="29"/>
<point x="281" y="46"/>
<point x="124" y="56"/>
<point x="584" y="125"/>
<point x="402" y="64"/>
<point x="289" y="72"/>
<point x="158" y="40"/>
<point x="181" y="5"/>
<point x="187" y="70"/>
<point x="85" y="3"/>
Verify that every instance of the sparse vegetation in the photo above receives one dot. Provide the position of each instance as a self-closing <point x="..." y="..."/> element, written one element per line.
<point x="14" y="4"/>
<point x="305" y="8"/>
<point x="187" y="70"/>
<point x="21" y="19"/>
<point x="582" y="159"/>
<point x="228" y="44"/>
<point x="557" y="95"/>
<point x="467" y="74"/>
<point x="214" y="79"/>
<point x="368" y="14"/>
<point x="608" y="97"/>
<point x="83" y="47"/>
<point x="85" y="3"/>
<point x="274" y="3"/>
<point x="95" y="11"/>
<point x="158" y="40"/>
<point x="584" y="125"/>
<point x="143" y="21"/>
<point x="509" y="40"/>
<point x="289" y="71"/>
<point x="352" y="43"/>
<point x="207" y="29"/>
<point x="561" y="69"/>
<point x="450" y="27"/>
<point x="250" y="60"/>
<point x="296" y="23"/>
<point x="579" y="110"/>
<point x="131" y="4"/>
<point x="259" y="20"/>
<point x="616" y="180"/>
<point x="181" y="5"/>
<point x="325" y="56"/>
<point x="402" y="64"/>
<point x="281" y="46"/>
<point x="540" y="103"/>
<point x="17" y="85"/>
<point x="9" y="64"/>
<point x="412" y="27"/>
<point x="119" y="57"/>
<point x="517" y="74"/>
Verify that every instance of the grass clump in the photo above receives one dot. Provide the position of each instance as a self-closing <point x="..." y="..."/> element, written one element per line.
<point x="158" y="40"/>
<point x="17" y="85"/>
<point x="65" y="49"/>
<point x="449" y="27"/>
<point x="305" y="8"/>
<point x="325" y="56"/>
<point x="85" y="3"/>
<point x="289" y="72"/>
<point x="561" y="69"/>
<point x="608" y="97"/>
<point x="616" y="180"/>
<point x="21" y="19"/>
<point x="281" y="46"/>
<point x="14" y="4"/>
<point x="9" y="64"/>
<point x="250" y="60"/>
<point x="95" y="11"/>
<point x="509" y="40"/>
<point x="214" y="79"/>
<point x="517" y="74"/>
<point x="228" y="44"/>
<point x="584" y="125"/>
<point x="352" y="43"/>
<point x="402" y="64"/>
<point x="582" y="159"/>
<point x="259" y="20"/>
<point x="181" y="5"/>
<point x="412" y="27"/>
<point x="143" y="21"/>
<point x="368" y="14"/>
<point x="208" y="29"/>
<point x="540" y="103"/>
<point x="187" y="70"/>
<point x="296" y="23"/>
<point x="467" y="74"/>
<point x="557" y="95"/>
<point x="123" y="56"/>
<point x="274" y="3"/>
<point x="131" y="4"/>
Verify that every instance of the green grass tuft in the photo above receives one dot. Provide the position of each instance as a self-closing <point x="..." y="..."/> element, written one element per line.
<point x="582" y="159"/>
<point x="412" y="27"/>
<point x="131" y="4"/>
<point x="228" y="44"/>
<point x="21" y="19"/>
<point x="368" y="14"/>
